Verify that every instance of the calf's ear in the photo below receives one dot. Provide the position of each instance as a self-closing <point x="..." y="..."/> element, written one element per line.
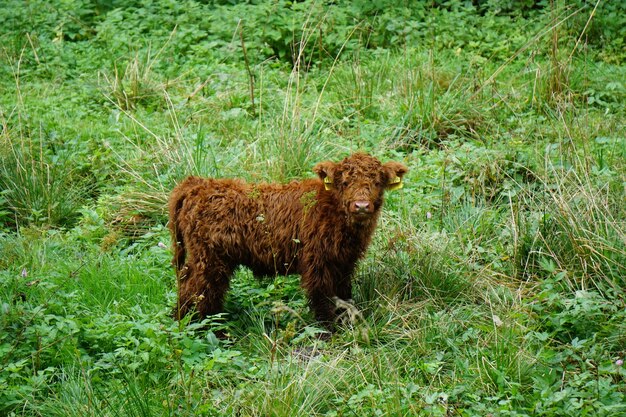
<point x="325" y="171"/>
<point x="394" y="172"/>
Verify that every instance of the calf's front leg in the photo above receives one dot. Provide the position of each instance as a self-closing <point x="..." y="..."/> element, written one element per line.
<point x="324" y="287"/>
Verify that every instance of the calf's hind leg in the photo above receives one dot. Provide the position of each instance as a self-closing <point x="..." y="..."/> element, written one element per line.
<point x="202" y="286"/>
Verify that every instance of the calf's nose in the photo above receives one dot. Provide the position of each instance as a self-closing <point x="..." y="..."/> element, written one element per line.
<point x="361" y="207"/>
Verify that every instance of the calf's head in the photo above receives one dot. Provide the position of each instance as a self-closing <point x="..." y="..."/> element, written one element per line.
<point x="359" y="182"/>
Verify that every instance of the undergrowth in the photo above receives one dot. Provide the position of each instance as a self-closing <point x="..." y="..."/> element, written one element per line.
<point x="494" y="285"/>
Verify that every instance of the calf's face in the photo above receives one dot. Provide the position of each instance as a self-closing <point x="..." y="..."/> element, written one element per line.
<point x="359" y="182"/>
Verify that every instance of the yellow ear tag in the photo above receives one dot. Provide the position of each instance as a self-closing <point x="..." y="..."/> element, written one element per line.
<point x="395" y="184"/>
<point x="328" y="184"/>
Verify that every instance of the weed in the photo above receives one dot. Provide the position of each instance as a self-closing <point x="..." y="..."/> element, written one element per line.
<point x="38" y="188"/>
<point x="494" y="285"/>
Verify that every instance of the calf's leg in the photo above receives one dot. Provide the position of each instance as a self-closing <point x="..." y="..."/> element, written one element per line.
<point x="320" y="288"/>
<point x="323" y="307"/>
<point x="202" y="286"/>
<point x="344" y="287"/>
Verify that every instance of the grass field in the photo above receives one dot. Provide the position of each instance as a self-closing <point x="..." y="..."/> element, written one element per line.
<point x="494" y="285"/>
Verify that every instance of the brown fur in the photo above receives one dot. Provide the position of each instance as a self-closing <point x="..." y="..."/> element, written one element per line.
<point x="300" y="227"/>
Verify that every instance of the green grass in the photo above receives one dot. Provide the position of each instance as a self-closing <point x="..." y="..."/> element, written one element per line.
<point x="494" y="285"/>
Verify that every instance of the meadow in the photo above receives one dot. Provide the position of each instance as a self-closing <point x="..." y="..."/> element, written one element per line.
<point x="495" y="282"/>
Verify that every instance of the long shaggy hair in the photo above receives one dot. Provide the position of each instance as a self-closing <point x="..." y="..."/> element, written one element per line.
<point x="318" y="228"/>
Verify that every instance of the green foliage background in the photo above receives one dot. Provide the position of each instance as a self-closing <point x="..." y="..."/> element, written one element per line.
<point x="494" y="285"/>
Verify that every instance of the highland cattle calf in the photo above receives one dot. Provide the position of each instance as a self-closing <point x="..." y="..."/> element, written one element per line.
<point x="318" y="228"/>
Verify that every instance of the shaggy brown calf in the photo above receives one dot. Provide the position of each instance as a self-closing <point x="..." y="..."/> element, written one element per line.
<point x="318" y="228"/>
